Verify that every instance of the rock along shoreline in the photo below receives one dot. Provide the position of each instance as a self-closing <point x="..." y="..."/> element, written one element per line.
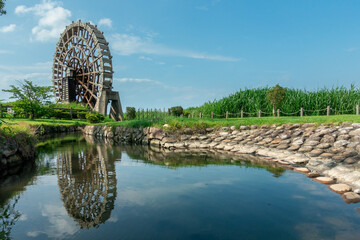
<point x="329" y="154"/>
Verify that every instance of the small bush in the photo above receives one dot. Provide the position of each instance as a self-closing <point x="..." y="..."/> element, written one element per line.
<point x="130" y="113"/>
<point x="94" y="117"/>
<point x="176" y="111"/>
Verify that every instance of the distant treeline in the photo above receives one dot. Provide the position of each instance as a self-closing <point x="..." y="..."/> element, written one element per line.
<point x="341" y="101"/>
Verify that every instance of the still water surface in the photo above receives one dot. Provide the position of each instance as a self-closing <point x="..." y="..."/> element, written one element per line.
<point x="80" y="189"/>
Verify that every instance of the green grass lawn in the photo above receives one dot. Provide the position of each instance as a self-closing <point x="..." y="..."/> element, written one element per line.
<point x="180" y="123"/>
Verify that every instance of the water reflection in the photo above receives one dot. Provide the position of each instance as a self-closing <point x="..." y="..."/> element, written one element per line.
<point x="170" y="194"/>
<point x="87" y="184"/>
<point x="11" y="187"/>
<point x="189" y="158"/>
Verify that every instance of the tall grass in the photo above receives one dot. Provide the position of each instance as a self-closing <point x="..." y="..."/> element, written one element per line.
<point x="340" y="99"/>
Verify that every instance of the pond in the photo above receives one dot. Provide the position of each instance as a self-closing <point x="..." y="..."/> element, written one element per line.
<point x="83" y="189"/>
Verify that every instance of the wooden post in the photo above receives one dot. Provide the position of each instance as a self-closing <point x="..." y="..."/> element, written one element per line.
<point x="273" y="112"/>
<point x="278" y="112"/>
<point x="259" y="113"/>
<point x="200" y="115"/>
<point x="71" y="113"/>
<point x="357" y="109"/>
<point x="242" y="114"/>
<point x="328" y="111"/>
<point x="143" y="113"/>
<point x="227" y="114"/>
<point x="301" y="112"/>
<point x="212" y="115"/>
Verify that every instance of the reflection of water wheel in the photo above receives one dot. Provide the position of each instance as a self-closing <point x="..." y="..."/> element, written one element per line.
<point x="82" y="69"/>
<point x="87" y="185"/>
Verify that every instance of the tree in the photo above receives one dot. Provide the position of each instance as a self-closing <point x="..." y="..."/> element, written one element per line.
<point x="2" y="5"/>
<point x="275" y="96"/>
<point x="130" y="113"/>
<point x="30" y="98"/>
<point x="176" y="111"/>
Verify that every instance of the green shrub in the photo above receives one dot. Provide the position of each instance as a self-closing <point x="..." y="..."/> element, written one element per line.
<point x="130" y="113"/>
<point x="95" y="117"/>
<point x="176" y="111"/>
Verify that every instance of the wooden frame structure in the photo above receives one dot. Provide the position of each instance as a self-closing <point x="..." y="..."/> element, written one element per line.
<point x="82" y="69"/>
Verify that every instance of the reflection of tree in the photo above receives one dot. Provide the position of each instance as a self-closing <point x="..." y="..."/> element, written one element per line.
<point x="8" y="215"/>
<point x="87" y="184"/>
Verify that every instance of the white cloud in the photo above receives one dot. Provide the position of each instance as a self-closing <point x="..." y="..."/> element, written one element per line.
<point x="135" y="80"/>
<point x="52" y="19"/>
<point x="351" y="49"/>
<point x="126" y="44"/>
<point x="5" y="51"/>
<point x="9" y="28"/>
<point x="105" y="22"/>
<point x="145" y="58"/>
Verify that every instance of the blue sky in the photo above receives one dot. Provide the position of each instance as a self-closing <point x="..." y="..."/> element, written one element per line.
<point x="187" y="52"/>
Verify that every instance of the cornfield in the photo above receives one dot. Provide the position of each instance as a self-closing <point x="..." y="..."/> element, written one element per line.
<point x="340" y="99"/>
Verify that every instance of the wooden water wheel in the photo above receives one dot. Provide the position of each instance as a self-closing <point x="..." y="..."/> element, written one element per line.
<point x="82" y="69"/>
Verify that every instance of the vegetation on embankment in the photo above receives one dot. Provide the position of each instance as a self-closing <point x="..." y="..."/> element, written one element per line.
<point x="197" y="123"/>
<point x="24" y="125"/>
<point x="340" y="99"/>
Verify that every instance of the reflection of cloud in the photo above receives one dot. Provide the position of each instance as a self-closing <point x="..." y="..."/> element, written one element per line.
<point x="113" y="219"/>
<point x="298" y="197"/>
<point x="141" y="197"/>
<point x="23" y="217"/>
<point x="61" y="225"/>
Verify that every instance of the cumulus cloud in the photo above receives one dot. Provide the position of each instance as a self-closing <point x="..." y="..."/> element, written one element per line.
<point x="127" y="44"/>
<point x="52" y="19"/>
<point x="105" y="22"/>
<point x="9" y="28"/>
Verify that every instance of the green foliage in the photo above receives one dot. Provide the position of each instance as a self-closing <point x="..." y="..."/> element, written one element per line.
<point x="2" y="5"/>
<point x="176" y="111"/>
<point x="186" y="113"/>
<point x="130" y="113"/>
<point x="275" y="96"/>
<point x="30" y="98"/>
<point x="95" y="117"/>
<point x="342" y="99"/>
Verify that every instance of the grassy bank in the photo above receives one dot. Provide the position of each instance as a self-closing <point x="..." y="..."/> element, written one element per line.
<point x="23" y="125"/>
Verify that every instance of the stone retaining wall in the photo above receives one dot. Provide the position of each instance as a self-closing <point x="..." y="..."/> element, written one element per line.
<point x="15" y="151"/>
<point x="325" y="150"/>
<point x="19" y="149"/>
